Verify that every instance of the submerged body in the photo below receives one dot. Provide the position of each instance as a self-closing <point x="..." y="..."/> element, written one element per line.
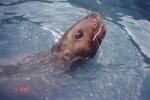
<point x="38" y="74"/>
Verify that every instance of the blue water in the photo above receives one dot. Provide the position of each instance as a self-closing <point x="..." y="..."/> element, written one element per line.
<point x="121" y="68"/>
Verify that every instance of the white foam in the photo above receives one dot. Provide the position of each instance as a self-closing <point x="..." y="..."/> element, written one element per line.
<point x="98" y="2"/>
<point x="109" y="18"/>
<point x="57" y="34"/>
<point x="59" y="31"/>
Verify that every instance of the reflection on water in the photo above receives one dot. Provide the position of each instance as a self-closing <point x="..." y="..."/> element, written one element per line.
<point x="117" y="72"/>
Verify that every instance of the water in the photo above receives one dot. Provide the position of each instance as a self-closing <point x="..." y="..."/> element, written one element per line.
<point x="120" y="70"/>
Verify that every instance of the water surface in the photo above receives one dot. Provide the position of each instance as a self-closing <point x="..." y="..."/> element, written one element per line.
<point x="120" y="70"/>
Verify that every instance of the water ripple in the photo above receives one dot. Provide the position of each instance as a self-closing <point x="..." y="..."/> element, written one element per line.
<point x="24" y="1"/>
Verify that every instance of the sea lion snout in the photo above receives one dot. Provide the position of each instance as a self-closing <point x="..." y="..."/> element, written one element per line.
<point x="96" y="19"/>
<point x="82" y="40"/>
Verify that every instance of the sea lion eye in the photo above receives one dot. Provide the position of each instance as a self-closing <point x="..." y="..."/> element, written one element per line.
<point x="79" y="34"/>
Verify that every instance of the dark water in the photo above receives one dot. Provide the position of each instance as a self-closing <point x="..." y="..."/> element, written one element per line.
<point x="120" y="70"/>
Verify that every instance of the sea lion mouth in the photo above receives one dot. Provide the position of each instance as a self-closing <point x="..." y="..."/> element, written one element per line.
<point x="99" y="35"/>
<point x="99" y="30"/>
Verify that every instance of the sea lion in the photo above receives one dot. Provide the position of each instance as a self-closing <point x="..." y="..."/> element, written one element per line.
<point x="80" y="42"/>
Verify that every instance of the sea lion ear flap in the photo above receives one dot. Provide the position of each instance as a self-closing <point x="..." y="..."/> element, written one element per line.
<point x="56" y="48"/>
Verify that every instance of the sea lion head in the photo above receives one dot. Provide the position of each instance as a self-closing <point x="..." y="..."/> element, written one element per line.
<point x="82" y="40"/>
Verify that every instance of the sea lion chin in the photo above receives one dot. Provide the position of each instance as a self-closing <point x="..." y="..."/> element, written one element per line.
<point x="82" y="40"/>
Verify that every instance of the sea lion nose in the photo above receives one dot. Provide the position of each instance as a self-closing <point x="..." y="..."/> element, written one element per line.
<point x="95" y="20"/>
<point x="95" y="16"/>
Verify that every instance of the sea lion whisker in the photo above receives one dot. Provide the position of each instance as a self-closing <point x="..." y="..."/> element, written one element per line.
<point x="97" y="32"/>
